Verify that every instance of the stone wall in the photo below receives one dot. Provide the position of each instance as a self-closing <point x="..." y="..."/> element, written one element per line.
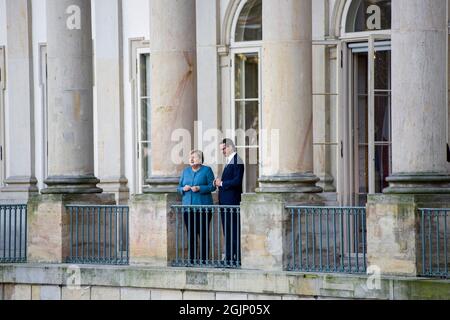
<point x="50" y="282"/>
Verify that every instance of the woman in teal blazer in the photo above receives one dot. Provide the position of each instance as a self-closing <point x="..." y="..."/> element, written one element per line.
<point x="196" y="186"/>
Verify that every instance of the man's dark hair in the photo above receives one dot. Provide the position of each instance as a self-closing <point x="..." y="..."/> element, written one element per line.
<point x="229" y="143"/>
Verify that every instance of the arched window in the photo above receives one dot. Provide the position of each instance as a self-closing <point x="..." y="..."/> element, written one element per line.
<point x="367" y="47"/>
<point x="249" y="23"/>
<point x="369" y="15"/>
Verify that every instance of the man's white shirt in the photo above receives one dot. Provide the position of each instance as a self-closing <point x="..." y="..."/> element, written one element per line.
<point x="230" y="158"/>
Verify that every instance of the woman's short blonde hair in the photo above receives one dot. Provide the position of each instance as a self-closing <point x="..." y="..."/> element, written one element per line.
<point x="199" y="154"/>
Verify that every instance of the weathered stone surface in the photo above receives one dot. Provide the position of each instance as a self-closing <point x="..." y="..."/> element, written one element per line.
<point x="174" y="81"/>
<point x="134" y="294"/>
<point x="263" y="297"/>
<point x="169" y="283"/>
<point x="70" y="100"/>
<point x="222" y="296"/>
<point x="166" y="295"/>
<point x="16" y="292"/>
<point x="198" y="295"/>
<point x="84" y="293"/>
<point x="152" y="229"/>
<point x="46" y="293"/>
<point x="266" y="232"/>
<point x="45" y="217"/>
<point x="392" y="234"/>
<point x="421" y="290"/>
<point x="287" y="104"/>
<point x="262" y="235"/>
<point x="419" y="89"/>
<point x="48" y="225"/>
<point x="104" y="293"/>
<point x="296" y="298"/>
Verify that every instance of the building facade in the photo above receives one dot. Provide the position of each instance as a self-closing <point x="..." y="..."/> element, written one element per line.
<point x="332" y="102"/>
<point x="231" y="85"/>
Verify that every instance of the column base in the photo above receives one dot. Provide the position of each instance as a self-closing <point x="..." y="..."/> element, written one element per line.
<point x="118" y="187"/>
<point x="418" y="184"/>
<point x="72" y="185"/>
<point x="161" y="185"/>
<point x="18" y="190"/>
<point x="298" y="183"/>
<point x="326" y="183"/>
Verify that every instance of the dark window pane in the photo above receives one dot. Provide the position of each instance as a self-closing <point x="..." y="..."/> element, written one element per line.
<point x="369" y="15"/>
<point x="382" y="167"/>
<point x="363" y="174"/>
<point x="145" y="119"/>
<point x="145" y="75"/>
<point x="146" y="160"/>
<point x="383" y="70"/>
<point x="363" y="127"/>
<point x="247" y="76"/>
<point x="382" y="118"/>
<point x="251" y="168"/>
<point x="251" y="77"/>
<point x="247" y="123"/>
<point x="249" y="24"/>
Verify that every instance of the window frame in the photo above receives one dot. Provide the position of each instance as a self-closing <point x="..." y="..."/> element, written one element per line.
<point x="2" y="115"/>
<point x="43" y="84"/>
<point x="140" y="178"/>
<point x="339" y="120"/>
<point x="234" y="52"/>
<point x="135" y="44"/>
<point x="351" y="164"/>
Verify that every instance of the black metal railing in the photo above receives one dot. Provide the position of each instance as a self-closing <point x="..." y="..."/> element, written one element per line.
<point x="207" y="236"/>
<point x="434" y="227"/>
<point x="13" y="233"/>
<point x="327" y="239"/>
<point x="98" y="234"/>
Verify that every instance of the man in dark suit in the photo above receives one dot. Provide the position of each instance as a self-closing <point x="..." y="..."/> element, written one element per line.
<point x="230" y="193"/>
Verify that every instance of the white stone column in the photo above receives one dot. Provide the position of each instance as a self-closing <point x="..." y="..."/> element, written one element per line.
<point x="287" y="97"/>
<point x="173" y="88"/>
<point x="208" y="81"/>
<point x="70" y="101"/>
<point x="19" y="150"/>
<point x="419" y="97"/>
<point x="109" y="97"/>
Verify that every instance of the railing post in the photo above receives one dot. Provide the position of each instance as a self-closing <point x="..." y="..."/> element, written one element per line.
<point x="152" y="229"/>
<point x="266" y="232"/>
<point x="393" y="236"/>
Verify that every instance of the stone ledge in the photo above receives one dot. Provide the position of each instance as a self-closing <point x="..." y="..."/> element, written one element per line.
<point x="231" y="281"/>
